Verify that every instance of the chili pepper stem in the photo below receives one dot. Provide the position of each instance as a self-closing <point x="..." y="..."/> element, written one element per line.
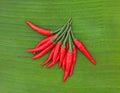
<point x="83" y="49"/>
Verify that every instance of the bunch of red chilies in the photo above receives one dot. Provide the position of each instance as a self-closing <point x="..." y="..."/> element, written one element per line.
<point x="62" y="46"/>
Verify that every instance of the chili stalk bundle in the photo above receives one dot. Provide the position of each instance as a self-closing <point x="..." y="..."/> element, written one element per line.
<point x="62" y="44"/>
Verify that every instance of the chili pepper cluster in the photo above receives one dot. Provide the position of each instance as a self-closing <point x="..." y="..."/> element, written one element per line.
<point x="61" y="45"/>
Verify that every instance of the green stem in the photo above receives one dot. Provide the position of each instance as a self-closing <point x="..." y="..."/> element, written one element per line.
<point x="70" y="43"/>
<point x="56" y="31"/>
<point x="65" y="30"/>
<point x="66" y="38"/>
<point x="63" y="36"/>
<point x="69" y="20"/>
<point x="72" y="35"/>
<point x="60" y="30"/>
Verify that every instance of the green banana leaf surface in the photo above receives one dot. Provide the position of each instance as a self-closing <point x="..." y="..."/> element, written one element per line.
<point x="95" y="22"/>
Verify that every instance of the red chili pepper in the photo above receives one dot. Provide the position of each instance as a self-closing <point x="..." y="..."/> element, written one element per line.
<point x="62" y="55"/>
<point x="43" y="46"/>
<point x="64" y="63"/>
<point x="67" y="45"/>
<point x="57" y="49"/>
<point x="69" y="60"/>
<point x="68" y="65"/>
<point x="53" y="62"/>
<point x="43" y="42"/>
<point x="43" y="52"/>
<point x="83" y="49"/>
<point x="74" y="60"/>
<point x="55" y="55"/>
<point x="39" y="29"/>
<point x="49" y="57"/>
<point x="44" y="31"/>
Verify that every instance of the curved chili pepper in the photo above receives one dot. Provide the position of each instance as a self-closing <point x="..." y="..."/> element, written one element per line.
<point x="69" y="60"/>
<point x="64" y="61"/>
<point x="43" y="52"/>
<point x="74" y="60"/>
<point x="49" y="42"/>
<point x="39" y="29"/>
<point x="53" y="62"/>
<point x="62" y="55"/>
<point x="68" y="65"/>
<point x="43" y="42"/>
<point x="57" y="49"/>
<point x="49" y="58"/>
<point x="63" y="52"/>
<point x="83" y="49"/>
<point x="55" y="55"/>
<point x="42" y="30"/>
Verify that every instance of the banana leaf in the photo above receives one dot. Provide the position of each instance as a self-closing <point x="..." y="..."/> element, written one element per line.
<point x="94" y="22"/>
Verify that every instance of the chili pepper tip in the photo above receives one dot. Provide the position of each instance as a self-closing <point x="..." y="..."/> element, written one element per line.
<point x="33" y="57"/>
<point x="93" y="61"/>
<point x="49" y="66"/>
<point x="63" y="80"/>
<point x="42" y="64"/>
<point x="65" y="76"/>
<point x="27" y="21"/>
<point x="29" y="50"/>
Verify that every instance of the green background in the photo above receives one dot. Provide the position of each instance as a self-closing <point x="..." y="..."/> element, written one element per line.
<point x="95" y="22"/>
